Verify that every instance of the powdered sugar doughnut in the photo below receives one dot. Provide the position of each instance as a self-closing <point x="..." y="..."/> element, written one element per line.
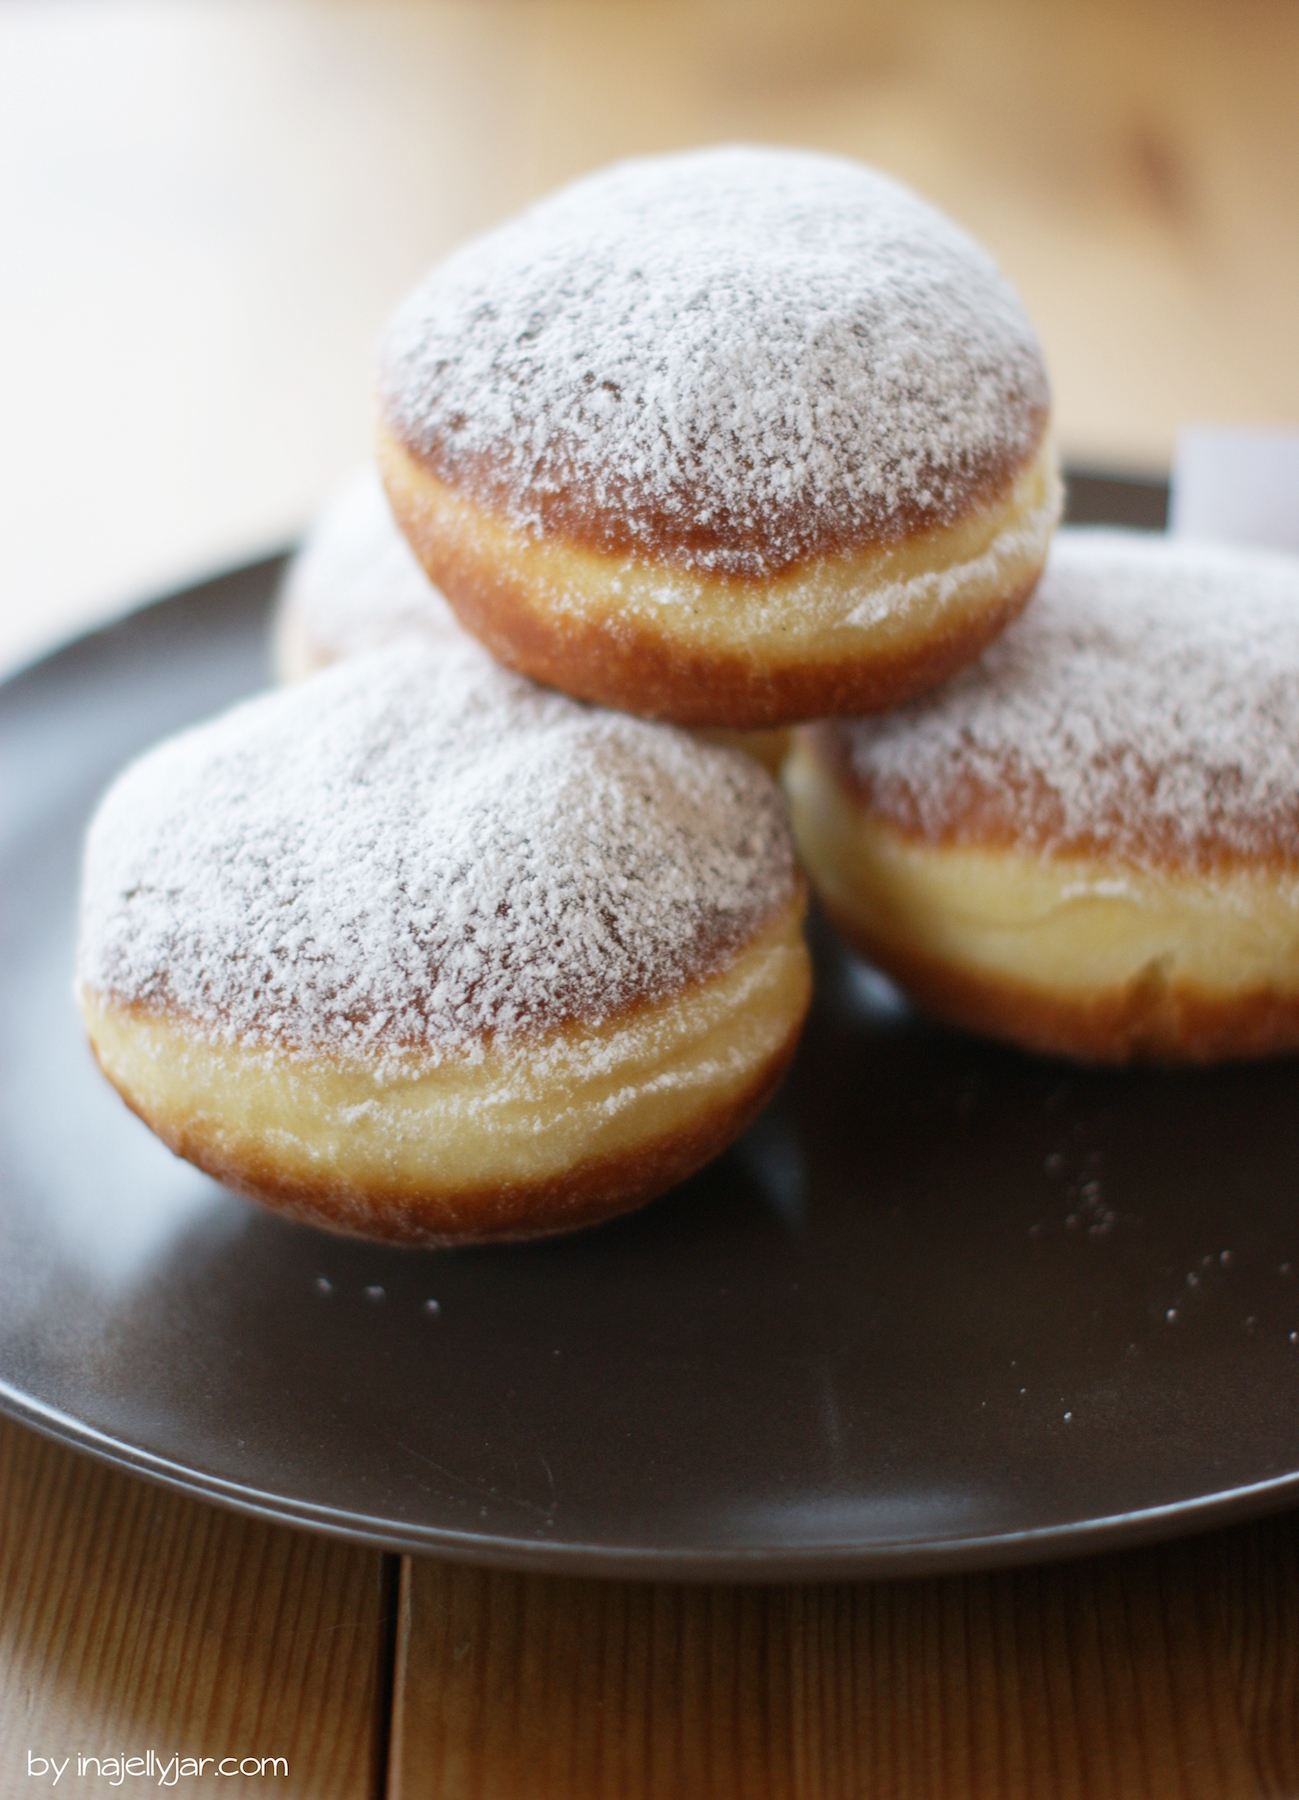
<point x="1089" y="842"/>
<point x="419" y="951"/>
<point x="734" y="438"/>
<point x="354" y="586"/>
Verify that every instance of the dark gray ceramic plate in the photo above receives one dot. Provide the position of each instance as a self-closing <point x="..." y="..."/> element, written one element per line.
<point x="943" y="1307"/>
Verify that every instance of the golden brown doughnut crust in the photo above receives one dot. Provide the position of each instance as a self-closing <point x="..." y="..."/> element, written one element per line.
<point x="1066" y="956"/>
<point x="600" y="1188"/>
<point x="1149" y="1019"/>
<point x="557" y="611"/>
<point x="547" y="1136"/>
<point x="1087" y="957"/>
<point x="596" y="514"/>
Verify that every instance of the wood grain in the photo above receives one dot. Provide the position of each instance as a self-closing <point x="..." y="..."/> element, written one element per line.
<point x="1256" y="1590"/>
<point x="1169" y="1672"/>
<point x="132" y="1619"/>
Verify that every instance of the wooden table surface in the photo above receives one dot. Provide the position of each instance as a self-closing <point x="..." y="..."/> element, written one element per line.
<point x="207" y="212"/>
<point x="134" y="1619"/>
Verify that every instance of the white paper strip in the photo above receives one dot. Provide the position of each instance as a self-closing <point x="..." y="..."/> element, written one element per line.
<point x="1236" y="487"/>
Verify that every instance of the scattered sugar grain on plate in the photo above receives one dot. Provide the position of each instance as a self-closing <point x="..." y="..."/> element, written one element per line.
<point x="756" y="353"/>
<point x="1147" y="702"/>
<point x="418" y="853"/>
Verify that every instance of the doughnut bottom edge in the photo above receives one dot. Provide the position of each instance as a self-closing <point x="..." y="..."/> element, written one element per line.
<point x="544" y="1138"/>
<point x="1064" y="956"/>
<point x="843" y="634"/>
<point x="1150" y="1019"/>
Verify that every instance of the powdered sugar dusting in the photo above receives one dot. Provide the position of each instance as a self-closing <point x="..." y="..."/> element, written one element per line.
<point x="417" y="851"/>
<point x="1147" y="703"/>
<point x="741" y="358"/>
<point x="356" y="585"/>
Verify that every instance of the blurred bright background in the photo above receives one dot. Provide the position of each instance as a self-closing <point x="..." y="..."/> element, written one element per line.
<point x="208" y="208"/>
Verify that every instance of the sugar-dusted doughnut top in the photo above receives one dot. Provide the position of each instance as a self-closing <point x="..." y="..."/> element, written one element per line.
<point x="417" y="851"/>
<point x="1146" y="705"/>
<point x="734" y="359"/>
<point x="355" y="583"/>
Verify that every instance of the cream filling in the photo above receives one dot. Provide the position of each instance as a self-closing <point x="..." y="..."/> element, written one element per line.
<point x="877" y="600"/>
<point x="518" y="1115"/>
<point x="1069" y="926"/>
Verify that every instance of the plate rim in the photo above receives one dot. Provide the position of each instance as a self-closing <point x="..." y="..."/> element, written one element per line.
<point x="882" y="1560"/>
<point x="876" y="1559"/>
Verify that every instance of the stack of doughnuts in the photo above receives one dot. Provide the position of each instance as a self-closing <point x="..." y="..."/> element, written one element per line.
<point x="458" y="936"/>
